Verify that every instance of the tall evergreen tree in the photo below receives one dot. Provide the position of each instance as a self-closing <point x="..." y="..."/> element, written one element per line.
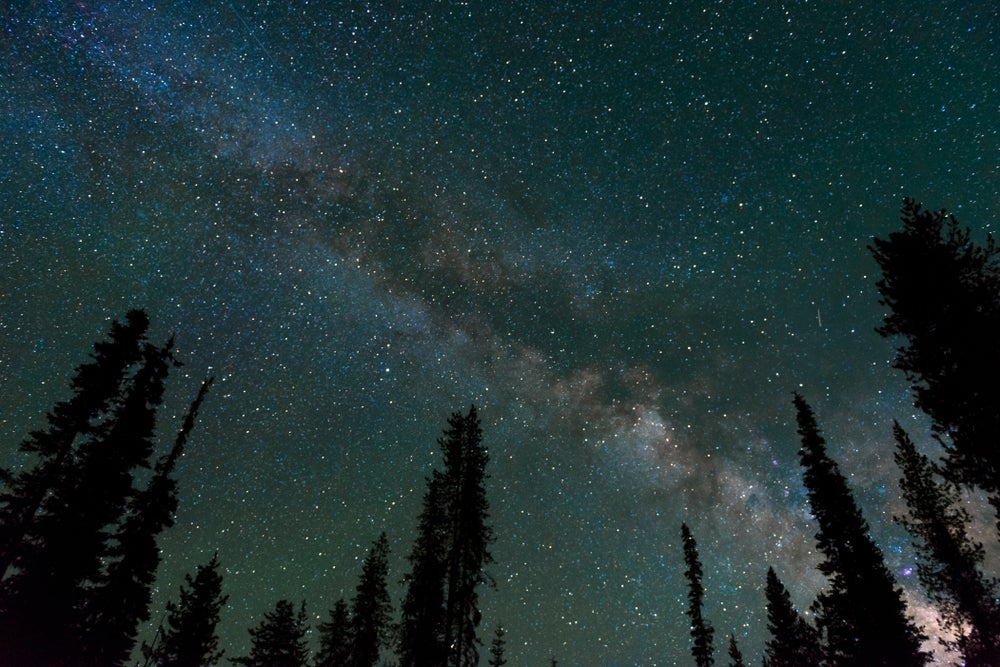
<point x="735" y="655"/>
<point x="469" y="532"/>
<point x="441" y="608"/>
<point x="943" y="295"/>
<point x="371" y="609"/>
<point x="421" y="632"/>
<point x="948" y="559"/>
<point x="95" y="385"/>
<point x="701" y="630"/>
<point x="120" y="600"/>
<point x="793" y="640"/>
<point x="46" y="599"/>
<point x="335" y="638"/>
<point x="189" y="637"/>
<point x="280" y="639"/>
<point x="862" y="613"/>
<point x="498" y="656"/>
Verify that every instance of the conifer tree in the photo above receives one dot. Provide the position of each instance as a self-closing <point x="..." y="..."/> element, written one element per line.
<point x="701" y="630"/>
<point x="498" y="648"/>
<point x="441" y="608"/>
<point x="45" y="600"/>
<point x="735" y="656"/>
<point x="120" y="600"/>
<point x="279" y="640"/>
<point x="371" y="609"/>
<point x="335" y="638"/>
<point x="862" y="613"/>
<point x="943" y="295"/>
<point x="948" y="559"/>
<point x="469" y="532"/>
<point x="793" y="640"/>
<point x="421" y="632"/>
<point x="94" y="386"/>
<point x="189" y="637"/>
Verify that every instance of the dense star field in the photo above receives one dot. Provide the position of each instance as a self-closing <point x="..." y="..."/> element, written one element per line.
<point x="626" y="232"/>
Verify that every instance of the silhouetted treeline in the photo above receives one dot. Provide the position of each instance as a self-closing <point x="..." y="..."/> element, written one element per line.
<point x="79" y="524"/>
<point x="78" y="530"/>
<point x="942" y="291"/>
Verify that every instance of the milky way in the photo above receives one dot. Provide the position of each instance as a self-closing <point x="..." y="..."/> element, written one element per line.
<point x="625" y="231"/>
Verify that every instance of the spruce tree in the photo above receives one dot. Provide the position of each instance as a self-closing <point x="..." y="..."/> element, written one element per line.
<point x="862" y="613"/>
<point x="793" y="640"/>
<point x="498" y="648"/>
<point x="948" y="559"/>
<point x="280" y="639"/>
<point x="421" y="632"/>
<point x="120" y="600"/>
<point x="335" y="638"/>
<point x="735" y="656"/>
<point x="95" y="385"/>
<point x="189" y="637"/>
<point x="701" y="630"/>
<point x="371" y="609"/>
<point x="943" y="295"/>
<point x="46" y="599"/>
<point x="469" y="533"/>
<point x="441" y="608"/>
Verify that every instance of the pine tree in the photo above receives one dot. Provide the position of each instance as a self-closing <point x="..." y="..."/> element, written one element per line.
<point x="189" y="637"/>
<point x="335" y="638"/>
<point x="498" y="648"/>
<point x="421" y="636"/>
<point x="45" y="601"/>
<point x="441" y="608"/>
<point x="735" y="656"/>
<point x="94" y="386"/>
<point x="943" y="295"/>
<point x="701" y="630"/>
<point x="279" y="640"/>
<point x="120" y="600"/>
<point x="470" y="534"/>
<point x="948" y="559"/>
<point x="371" y="609"/>
<point x="793" y="641"/>
<point x="862" y="613"/>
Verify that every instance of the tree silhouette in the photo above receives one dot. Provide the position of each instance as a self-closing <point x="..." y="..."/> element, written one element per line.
<point x="701" y="629"/>
<point x="497" y="648"/>
<point x="119" y="601"/>
<point x="469" y="534"/>
<point x="335" y="638"/>
<point x="94" y="386"/>
<point x="189" y="637"/>
<point x="421" y="636"/>
<point x="46" y="599"/>
<point x="862" y="613"/>
<point x="441" y="607"/>
<point x="735" y="656"/>
<point x="279" y="639"/>
<point x="371" y="609"/>
<point x="948" y="559"/>
<point x="943" y="295"/>
<point x="793" y="641"/>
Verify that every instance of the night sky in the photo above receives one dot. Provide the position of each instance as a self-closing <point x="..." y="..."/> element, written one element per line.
<point x="625" y="231"/>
